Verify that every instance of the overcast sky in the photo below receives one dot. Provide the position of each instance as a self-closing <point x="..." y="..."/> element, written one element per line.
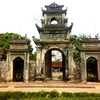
<point x="20" y="16"/>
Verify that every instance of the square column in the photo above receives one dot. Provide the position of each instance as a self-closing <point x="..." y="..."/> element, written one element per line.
<point x="83" y="68"/>
<point x="38" y="59"/>
<point x="70" y="64"/>
<point x="26" y="68"/>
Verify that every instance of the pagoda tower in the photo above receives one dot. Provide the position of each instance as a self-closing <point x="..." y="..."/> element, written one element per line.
<point x="54" y="35"/>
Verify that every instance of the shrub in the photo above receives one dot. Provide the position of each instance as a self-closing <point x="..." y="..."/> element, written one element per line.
<point x="54" y="94"/>
<point x="60" y="77"/>
<point x="42" y="94"/>
<point x="67" y="94"/>
<point x="30" y="95"/>
<point x="79" y="95"/>
<point x="91" y="77"/>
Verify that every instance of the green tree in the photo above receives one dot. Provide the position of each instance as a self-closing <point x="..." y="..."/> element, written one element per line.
<point x="4" y="37"/>
<point x="33" y="56"/>
<point x="76" y="45"/>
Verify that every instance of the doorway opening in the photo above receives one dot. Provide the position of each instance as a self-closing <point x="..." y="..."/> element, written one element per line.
<point x="55" y="65"/>
<point x="92" y="69"/>
<point x="18" y="68"/>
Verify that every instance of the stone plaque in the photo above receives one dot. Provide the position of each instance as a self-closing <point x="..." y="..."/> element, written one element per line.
<point x="90" y="45"/>
<point x="18" y="46"/>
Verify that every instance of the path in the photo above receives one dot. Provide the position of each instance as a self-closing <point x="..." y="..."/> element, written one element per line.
<point x="49" y="86"/>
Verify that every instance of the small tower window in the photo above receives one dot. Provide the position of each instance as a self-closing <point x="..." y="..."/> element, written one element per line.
<point x="54" y="21"/>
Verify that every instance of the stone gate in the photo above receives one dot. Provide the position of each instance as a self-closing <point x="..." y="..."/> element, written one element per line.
<point x="90" y="49"/>
<point x="17" y="68"/>
<point x="54" y="35"/>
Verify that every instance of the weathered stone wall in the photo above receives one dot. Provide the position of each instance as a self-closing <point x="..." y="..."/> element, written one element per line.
<point x="53" y="36"/>
<point x="3" y="65"/>
<point x="31" y="70"/>
<point x="77" y="70"/>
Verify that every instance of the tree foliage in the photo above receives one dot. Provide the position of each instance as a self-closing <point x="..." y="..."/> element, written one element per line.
<point x="4" y="37"/>
<point x="33" y="56"/>
<point x="76" y="45"/>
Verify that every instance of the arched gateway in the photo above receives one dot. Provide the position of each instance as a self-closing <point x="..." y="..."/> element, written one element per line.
<point x="55" y="64"/>
<point x="90" y="59"/>
<point x="17" y="69"/>
<point x="92" y="69"/>
<point x="54" y="35"/>
<point x="54" y="43"/>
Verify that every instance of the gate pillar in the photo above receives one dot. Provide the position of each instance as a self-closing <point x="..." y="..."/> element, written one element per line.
<point x="38" y="60"/>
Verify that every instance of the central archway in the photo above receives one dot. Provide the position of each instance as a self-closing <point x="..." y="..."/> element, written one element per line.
<point x="92" y="69"/>
<point x="18" y="68"/>
<point x="55" y="65"/>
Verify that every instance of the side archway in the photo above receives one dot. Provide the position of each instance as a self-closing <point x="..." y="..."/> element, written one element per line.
<point x="18" y="69"/>
<point x="92" y="69"/>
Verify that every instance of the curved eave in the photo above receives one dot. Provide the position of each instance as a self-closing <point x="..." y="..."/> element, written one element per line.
<point x="18" y="41"/>
<point x="90" y="49"/>
<point x="58" y="11"/>
<point x="53" y="29"/>
<point x="38" y="28"/>
<point x="17" y="50"/>
<point x="90" y="40"/>
<point x="53" y="42"/>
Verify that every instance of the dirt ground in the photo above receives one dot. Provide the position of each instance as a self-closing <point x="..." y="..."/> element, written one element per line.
<point x="49" y="86"/>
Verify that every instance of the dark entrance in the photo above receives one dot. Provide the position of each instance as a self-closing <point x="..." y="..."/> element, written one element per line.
<point x="92" y="69"/>
<point x="18" y="67"/>
<point x="55" y="67"/>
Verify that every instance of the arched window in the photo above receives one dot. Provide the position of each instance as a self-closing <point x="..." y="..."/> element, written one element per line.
<point x="54" y="21"/>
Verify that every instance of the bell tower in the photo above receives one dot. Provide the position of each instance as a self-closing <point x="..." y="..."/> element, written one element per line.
<point x="54" y="22"/>
<point x="55" y="13"/>
<point x="54" y="35"/>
